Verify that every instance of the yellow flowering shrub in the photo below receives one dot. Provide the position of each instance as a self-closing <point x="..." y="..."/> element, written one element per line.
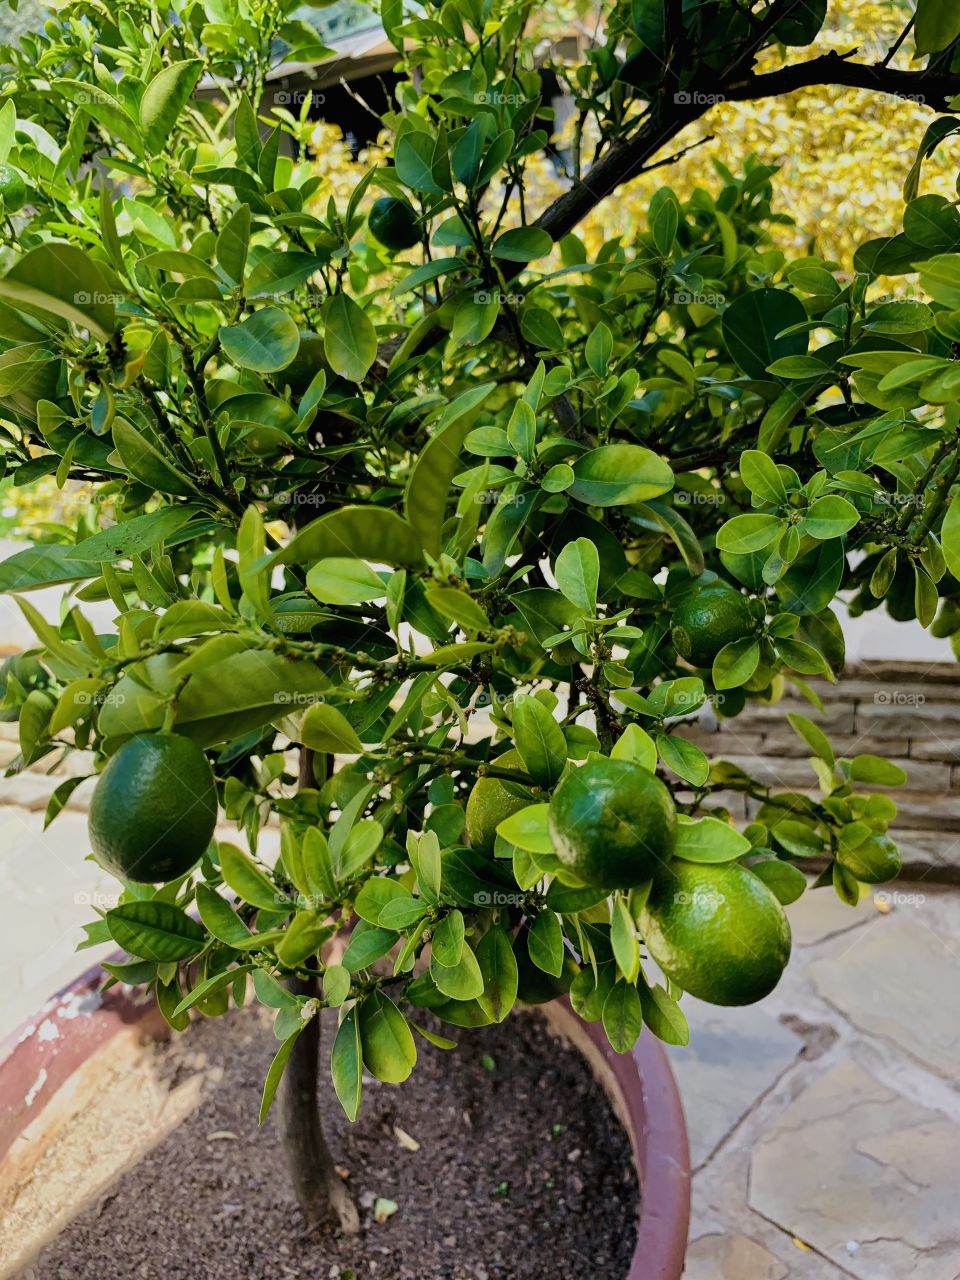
<point x="842" y="154"/>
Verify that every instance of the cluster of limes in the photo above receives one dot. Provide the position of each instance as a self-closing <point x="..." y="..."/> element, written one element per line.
<point x="714" y="929"/>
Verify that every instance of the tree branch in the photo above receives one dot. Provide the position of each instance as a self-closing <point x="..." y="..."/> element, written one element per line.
<point x="627" y="159"/>
<point x="624" y="160"/>
<point x="931" y="89"/>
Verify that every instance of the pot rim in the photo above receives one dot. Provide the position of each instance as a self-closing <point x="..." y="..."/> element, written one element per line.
<point x="44" y="1052"/>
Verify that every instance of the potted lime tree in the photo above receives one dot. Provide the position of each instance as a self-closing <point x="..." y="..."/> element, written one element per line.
<point x="427" y="521"/>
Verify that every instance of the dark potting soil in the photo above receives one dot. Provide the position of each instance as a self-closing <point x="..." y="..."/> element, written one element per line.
<point x="522" y="1172"/>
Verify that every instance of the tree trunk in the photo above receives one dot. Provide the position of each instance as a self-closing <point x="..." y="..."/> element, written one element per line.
<point x="321" y="1192"/>
<point x="323" y="1196"/>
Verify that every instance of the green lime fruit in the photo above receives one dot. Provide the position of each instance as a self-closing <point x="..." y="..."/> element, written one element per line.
<point x="490" y="802"/>
<point x="154" y="808"/>
<point x="715" y="616"/>
<point x="717" y="931"/>
<point x="13" y="189"/>
<point x="394" y="223"/>
<point x="612" y="823"/>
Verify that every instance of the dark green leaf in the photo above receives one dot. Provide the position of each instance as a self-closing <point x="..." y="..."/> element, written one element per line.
<point x="623" y="1016"/>
<point x="539" y="739"/>
<point x="155" y="930"/>
<point x="498" y="965"/>
<point x="164" y="98"/>
<point x="275" y="1074"/>
<point x="346" y="1064"/>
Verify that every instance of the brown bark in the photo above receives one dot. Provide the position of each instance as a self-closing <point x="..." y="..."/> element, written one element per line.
<point x="323" y="1197"/>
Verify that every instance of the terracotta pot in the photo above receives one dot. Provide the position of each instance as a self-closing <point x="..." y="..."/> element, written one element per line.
<point x="47" y="1053"/>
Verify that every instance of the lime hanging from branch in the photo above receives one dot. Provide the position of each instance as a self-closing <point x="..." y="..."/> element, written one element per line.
<point x="154" y="809"/>
<point x="613" y="824"/>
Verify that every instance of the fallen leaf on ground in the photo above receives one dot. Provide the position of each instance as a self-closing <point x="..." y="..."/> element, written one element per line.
<point x="384" y="1209"/>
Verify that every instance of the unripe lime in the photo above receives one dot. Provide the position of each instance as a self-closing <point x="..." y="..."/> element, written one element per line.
<point x="490" y="802"/>
<point x="717" y="931"/>
<point x="154" y="808"/>
<point x="612" y="823"/>
<point x="393" y="221"/>
<point x="13" y="189"/>
<point x="715" y="616"/>
<point x="874" y="861"/>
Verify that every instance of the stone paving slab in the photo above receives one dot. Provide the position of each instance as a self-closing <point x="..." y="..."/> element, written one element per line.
<point x="731" y="1257"/>
<point x="820" y="914"/>
<point x="734" y="1057"/>
<point x="934" y="854"/>
<point x="733" y="1236"/>
<point x="32" y="790"/>
<point x="51" y="890"/>
<point x="866" y="1176"/>
<point x="914" y="1005"/>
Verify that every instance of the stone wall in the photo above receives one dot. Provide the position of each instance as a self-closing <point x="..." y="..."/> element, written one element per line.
<point x="908" y="712"/>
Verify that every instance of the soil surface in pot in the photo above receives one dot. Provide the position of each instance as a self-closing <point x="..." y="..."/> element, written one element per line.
<point x="521" y="1172"/>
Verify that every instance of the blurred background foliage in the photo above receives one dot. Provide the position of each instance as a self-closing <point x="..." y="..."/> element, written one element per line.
<point x="840" y="153"/>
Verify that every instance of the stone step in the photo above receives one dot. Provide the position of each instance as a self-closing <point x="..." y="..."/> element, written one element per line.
<point x="928" y="855"/>
<point x="884" y="671"/>
<point x="936" y="720"/>
<point x="917" y="812"/>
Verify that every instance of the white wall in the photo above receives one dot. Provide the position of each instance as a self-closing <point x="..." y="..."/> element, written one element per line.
<point x="14" y="632"/>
